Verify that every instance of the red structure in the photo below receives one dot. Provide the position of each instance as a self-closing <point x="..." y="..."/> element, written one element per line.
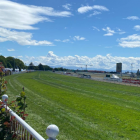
<point x="131" y="81"/>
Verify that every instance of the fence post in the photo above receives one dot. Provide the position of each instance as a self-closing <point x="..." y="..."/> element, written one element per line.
<point x="4" y="98"/>
<point x="52" y="131"/>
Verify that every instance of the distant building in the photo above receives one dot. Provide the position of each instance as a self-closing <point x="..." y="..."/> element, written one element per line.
<point x="118" y="67"/>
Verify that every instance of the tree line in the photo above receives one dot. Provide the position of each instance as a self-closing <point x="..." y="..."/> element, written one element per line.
<point x="11" y="62"/>
<point x="44" y="67"/>
<point x="15" y="63"/>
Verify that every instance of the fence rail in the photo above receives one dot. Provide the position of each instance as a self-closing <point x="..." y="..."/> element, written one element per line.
<point x="24" y="131"/>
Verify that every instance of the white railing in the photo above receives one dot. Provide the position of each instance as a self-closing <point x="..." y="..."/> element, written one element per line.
<point x="24" y="131"/>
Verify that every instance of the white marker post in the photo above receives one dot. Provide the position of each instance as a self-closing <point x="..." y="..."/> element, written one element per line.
<point x="52" y="131"/>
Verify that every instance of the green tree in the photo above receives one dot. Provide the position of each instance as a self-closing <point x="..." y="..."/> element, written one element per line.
<point x="19" y="63"/>
<point x="36" y="68"/>
<point x="60" y="69"/>
<point x="31" y="66"/>
<point x="3" y="60"/>
<point x="40" y="67"/>
<point x="9" y="65"/>
<point x="47" y="67"/>
<point x="10" y="60"/>
<point x="56" y="69"/>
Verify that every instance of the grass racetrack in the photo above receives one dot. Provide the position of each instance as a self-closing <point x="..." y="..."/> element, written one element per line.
<point x="82" y="109"/>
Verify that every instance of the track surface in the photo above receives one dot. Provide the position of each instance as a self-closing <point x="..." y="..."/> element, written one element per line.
<point x="81" y="108"/>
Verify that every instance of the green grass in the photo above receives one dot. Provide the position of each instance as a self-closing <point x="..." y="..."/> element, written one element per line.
<point x="82" y="109"/>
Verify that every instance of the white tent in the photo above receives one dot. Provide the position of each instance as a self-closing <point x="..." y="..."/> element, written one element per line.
<point x="114" y="76"/>
<point x="5" y="69"/>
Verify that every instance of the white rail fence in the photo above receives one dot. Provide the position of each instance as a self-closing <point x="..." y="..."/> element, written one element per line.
<point x="23" y="131"/>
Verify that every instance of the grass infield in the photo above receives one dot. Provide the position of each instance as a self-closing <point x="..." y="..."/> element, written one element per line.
<point x="82" y="109"/>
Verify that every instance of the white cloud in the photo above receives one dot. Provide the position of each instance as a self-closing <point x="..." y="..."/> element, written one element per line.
<point x="21" y="38"/>
<point x="65" y="40"/>
<point x="133" y="18"/>
<point x="19" y="16"/>
<point x="29" y="59"/>
<point x="95" y="28"/>
<point x="57" y="40"/>
<point x="10" y="50"/>
<point x="98" y="61"/>
<point x="95" y="13"/>
<point x="108" y="47"/>
<point x="78" y="38"/>
<point x="67" y="6"/>
<point x="85" y="9"/>
<point x="132" y="41"/>
<point x="20" y="56"/>
<point x="109" y="31"/>
<point x="119" y="31"/>
<point x="137" y="27"/>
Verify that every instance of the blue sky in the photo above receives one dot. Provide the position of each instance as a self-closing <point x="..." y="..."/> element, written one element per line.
<point x="62" y="33"/>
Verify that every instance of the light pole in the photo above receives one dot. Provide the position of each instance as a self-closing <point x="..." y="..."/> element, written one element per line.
<point x="131" y="67"/>
<point x="25" y="65"/>
<point x="14" y="65"/>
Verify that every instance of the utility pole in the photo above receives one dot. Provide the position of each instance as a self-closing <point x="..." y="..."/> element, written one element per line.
<point x="88" y="65"/>
<point x="25" y="66"/>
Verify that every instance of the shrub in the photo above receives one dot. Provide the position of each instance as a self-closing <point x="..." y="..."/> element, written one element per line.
<point x="18" y="106"/>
